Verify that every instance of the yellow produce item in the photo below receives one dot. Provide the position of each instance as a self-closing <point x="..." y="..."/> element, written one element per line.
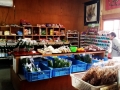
<point x="6" y="32"/>
<point x="51" y="32"/>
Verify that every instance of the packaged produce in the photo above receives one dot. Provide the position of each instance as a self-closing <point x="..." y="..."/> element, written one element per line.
<point x="93" y="48"/>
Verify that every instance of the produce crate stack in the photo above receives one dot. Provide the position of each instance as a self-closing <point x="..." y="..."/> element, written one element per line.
<point x="39" y="68"/>
<point x="60" y="67"/>
<point x="85" y="62"/>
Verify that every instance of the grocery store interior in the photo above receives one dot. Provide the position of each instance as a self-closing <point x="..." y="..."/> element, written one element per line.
<point x="59" y="44"/>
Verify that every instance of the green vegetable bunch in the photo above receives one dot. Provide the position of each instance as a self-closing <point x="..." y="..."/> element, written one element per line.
<point x="86" y="58"/>
<point x="59" y="63"/>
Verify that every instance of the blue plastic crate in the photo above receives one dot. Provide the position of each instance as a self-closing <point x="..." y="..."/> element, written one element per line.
<point x="64" y="57"/>
<point x="73" y="56"/>
<point x="49" y="58"/>
<point x="40" y="60"/>
<point x="77" y="65"/>
<point x="105" y="58"/>
<point x="61" y="71"/>
<point x="45" y="73"/>
<point x="36" y="59"/>
<point x="89" y="65"/>
<point x="96" y="57"/>
<point x="95" y="61"/>
<point x="101" y="58"/>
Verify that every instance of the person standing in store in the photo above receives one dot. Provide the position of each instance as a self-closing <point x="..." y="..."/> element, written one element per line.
<point x="115" y="45"/>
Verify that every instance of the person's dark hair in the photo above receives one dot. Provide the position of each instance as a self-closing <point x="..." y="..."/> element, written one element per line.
<point x="113" y="34"/>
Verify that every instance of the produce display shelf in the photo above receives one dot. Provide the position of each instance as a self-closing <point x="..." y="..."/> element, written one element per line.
<point x="61" y="54"/>
<point x="55" y="54"/>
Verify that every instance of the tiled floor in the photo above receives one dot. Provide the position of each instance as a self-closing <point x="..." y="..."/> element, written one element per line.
<point x="5" y="83"/>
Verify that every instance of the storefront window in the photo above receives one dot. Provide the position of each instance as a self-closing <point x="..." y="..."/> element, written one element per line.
<point x="112" y="26"/>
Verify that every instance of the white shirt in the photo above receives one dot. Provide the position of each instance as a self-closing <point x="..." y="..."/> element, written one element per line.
<point x="110" y="47"/>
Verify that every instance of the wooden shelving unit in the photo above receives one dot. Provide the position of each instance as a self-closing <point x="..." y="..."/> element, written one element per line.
<point x="9" y="35"/>
<point x="32" y="32"/>
<point x="73" y="38"/>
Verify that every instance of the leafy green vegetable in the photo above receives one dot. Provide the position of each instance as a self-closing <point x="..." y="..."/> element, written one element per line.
<point x="59" y="63"/>
<point x="87" y="58"/>
<point x="50" y="63"/>
<point x="77" y="57"/>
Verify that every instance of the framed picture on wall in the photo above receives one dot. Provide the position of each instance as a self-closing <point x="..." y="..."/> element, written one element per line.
<point x="91" y="12"/>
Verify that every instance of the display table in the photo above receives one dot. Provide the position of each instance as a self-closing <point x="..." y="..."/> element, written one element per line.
<point x="57" y="83"/>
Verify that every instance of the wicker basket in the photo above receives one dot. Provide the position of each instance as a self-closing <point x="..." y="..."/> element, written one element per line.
<point x="82" y="85"/>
